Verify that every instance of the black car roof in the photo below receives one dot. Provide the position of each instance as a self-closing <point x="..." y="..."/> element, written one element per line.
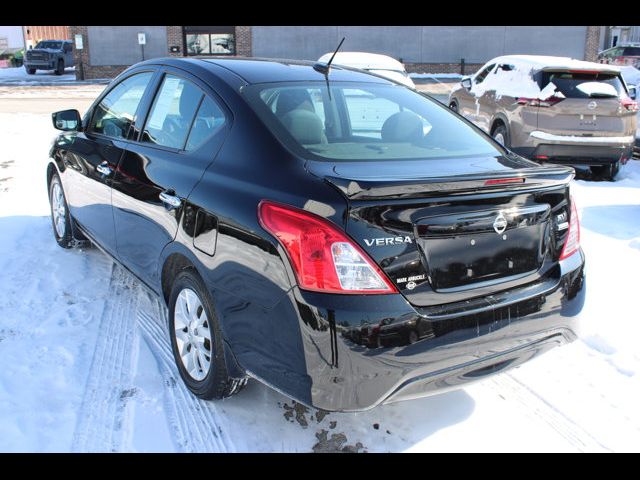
<point x="266" y="70"/>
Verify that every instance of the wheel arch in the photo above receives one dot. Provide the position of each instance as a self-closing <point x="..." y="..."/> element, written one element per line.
<point x="176" y="258"/>
<point x="499" y="119"/>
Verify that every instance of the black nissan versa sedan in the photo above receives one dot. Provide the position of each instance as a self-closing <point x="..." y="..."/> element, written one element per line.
<point x="339" y="237"/>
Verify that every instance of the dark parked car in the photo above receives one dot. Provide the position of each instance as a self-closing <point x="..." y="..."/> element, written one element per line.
<point x="49" y="55"/>
<point x="273" y="211"/>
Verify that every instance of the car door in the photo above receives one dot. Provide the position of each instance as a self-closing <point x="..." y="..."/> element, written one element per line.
<point x="93" y="155"/>
<point x="484" y="98"/>
<point x="182" y="132"/>
<point x="469" y="105"/>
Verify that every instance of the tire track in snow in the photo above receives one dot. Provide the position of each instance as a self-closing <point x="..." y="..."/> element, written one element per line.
<point x="514" y="390"/>
<point x="103" y="418"/>
<point x="197" y="425"/>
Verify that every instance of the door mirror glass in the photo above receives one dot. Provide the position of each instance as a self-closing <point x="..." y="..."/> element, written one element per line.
<point x="466" y="82"/>
<point x="66" y="120"/>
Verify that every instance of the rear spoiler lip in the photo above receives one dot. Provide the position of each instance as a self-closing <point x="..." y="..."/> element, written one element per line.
<point x="402" y="188"/>
<point x="574" y="69"/>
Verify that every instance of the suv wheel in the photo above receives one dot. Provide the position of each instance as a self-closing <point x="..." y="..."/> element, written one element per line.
<point x="60" y="68"/>
<point x="607" y="172"/>
<point x="31" y="71"/>
<point x="501" y="135"/>
<point x="60" y="217"/>
<point x="454" y="106"/>
<point x="196" y="339"/>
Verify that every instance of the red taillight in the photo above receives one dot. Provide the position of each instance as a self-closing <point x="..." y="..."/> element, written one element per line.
<point x="629" y="105"/>
<point x="536" y="102"/>
<point x="541" y="157"/>
<point x="572" y="243"/>
<point x="323" y="258"/>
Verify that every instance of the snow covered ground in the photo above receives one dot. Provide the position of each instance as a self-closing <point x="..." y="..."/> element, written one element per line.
<point x="86" y="363"/>
<point x="19" y="76"/>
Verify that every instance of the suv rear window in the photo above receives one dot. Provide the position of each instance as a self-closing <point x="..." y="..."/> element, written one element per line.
<point x="364" y="121"/>
<point x="584" y="85"/>
<point x="632" y="51"/>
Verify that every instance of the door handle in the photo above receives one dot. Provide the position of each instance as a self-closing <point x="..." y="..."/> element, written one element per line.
<point x="169" y="199"/>
<point x="104" y="168"/>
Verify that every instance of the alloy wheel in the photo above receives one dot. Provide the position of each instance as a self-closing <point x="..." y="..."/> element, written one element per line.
<point x="192" y="334"/>
<point x="58" y="210"/>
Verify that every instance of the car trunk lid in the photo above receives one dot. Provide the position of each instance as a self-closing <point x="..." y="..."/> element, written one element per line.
<point x="445" y="237"/>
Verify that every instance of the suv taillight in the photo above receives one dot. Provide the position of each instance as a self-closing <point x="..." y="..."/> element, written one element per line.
<point x="572" y="243"/>
<point x="324" y="259"/>
<point x="629" y="105"/>
<point x="536" y="102"/>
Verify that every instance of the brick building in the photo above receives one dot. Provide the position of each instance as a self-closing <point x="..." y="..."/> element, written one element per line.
<point x="107" y="50"/>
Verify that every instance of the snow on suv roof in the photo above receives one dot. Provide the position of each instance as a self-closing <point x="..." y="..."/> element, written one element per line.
<point x="364" y="60"/>
<point x="538" y="62"/>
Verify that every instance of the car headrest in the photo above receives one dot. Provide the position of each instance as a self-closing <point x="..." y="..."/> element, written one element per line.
<point x="291" y="99"/>
<point x="402" y="127"/>
<point x="305" y="126"/>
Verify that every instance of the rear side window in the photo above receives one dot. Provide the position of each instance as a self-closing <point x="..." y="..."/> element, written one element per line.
<point x="632" y="51"/>
<point x="172" y="113"/>
<point x="209" y="120"/>
<point x="585" y="85"/>
<point x="115" y="113"/>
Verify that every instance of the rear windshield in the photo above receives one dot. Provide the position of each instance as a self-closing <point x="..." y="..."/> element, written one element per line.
<point x="364" y="121"/>
<point x="584" y="85"/>
<point x="50" y="45"/>
<point x="632" y="51"/>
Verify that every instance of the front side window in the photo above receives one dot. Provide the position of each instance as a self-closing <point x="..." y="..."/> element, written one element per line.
<point x="116" y="112"/>
<point x="363" y="122"/>
<point x="172" y="113"/>
<point x="483" y="74"/>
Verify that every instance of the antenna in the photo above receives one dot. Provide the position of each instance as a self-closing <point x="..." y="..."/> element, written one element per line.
<point x="324" y="68"/>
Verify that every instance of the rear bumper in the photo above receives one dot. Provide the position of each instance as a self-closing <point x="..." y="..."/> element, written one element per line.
<point x="339" y="370"/>
<point x="578" y="154"/>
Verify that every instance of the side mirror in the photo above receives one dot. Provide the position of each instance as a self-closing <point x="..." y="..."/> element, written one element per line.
<point x="466" y="82"/>
<point x="633" y="93"/>
<point x="67" y="120"/>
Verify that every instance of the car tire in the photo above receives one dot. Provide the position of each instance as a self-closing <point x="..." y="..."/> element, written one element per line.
<point x="614" y="169"/>
<point x="454" y="106"/>
<point x="60" y="67"/>
<point x="60" y="216"/>
<point x="501" y="135"/>
<point x="606" y="172"/>
<point x="198" y="326"/>
<point x="31" y="71"/>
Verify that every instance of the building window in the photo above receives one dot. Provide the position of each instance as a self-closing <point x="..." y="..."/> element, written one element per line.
<point x="210" y="40"/>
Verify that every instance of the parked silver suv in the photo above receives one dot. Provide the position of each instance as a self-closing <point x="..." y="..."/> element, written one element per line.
<point x="553" y="109"/>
